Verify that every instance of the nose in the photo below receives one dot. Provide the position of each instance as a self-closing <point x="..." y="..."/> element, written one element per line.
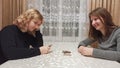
<point x="37" y="27"/>
<point x="93" y="22"/>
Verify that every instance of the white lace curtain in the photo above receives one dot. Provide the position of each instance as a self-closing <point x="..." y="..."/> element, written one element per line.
<point x="64" y="20"/>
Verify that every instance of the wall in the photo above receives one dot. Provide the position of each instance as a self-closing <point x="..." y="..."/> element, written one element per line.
<point x="10" y="10"/>
<point x="64" y="20"/>
<point x="111" y="5"/>
<point x="0" y="14"/>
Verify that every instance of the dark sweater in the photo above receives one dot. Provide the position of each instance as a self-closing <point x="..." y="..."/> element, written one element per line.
<point x="16" y="44"/>
<point x="2" y="57"/>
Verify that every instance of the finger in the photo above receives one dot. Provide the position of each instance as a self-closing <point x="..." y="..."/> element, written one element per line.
<point x="78" y="50"/>
<point x="49" y="51"/>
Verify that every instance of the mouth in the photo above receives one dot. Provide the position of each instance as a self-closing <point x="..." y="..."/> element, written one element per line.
<point x="96" y="26"/>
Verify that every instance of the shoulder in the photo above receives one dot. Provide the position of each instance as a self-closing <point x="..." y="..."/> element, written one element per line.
<point x="116" y="31"/>
<point x="9" y="29"/>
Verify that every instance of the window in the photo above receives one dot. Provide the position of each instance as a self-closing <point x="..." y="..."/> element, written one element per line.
<point x="64" y="20"/>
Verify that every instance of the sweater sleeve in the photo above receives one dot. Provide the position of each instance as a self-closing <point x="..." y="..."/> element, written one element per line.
<point x="36" y="41"/>
<point x="86" y="42"/>
<point x="39" y="38"/>
<point x="109" y="54"/>
<point x="10" y="49"/>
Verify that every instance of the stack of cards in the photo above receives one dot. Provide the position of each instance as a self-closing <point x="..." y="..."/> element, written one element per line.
<point x="66" y="53"/>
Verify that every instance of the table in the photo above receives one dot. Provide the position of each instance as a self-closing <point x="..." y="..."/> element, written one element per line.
<point x="56" y="59"/>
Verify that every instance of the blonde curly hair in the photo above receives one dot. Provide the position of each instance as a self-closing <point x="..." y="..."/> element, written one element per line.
<point x="23" y="20"/>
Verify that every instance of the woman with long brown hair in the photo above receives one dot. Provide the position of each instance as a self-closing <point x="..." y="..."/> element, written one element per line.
<point x="102" y="30"/>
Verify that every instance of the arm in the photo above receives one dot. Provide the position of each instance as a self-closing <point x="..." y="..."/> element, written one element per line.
<point x="86" y="42"/>
<point x="2" y="57"/>
<point x="108" y="54"/>
<point x="13" y="51"/>
<point x="37" y="40"/>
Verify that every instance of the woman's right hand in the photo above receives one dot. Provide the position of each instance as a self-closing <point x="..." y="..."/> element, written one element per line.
<point x="85" y="50"/>
<point x="45" y="49"/>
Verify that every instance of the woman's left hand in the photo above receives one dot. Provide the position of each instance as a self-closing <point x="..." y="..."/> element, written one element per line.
<point x="85" y="50"/>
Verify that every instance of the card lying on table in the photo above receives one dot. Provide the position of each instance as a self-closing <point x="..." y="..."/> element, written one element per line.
<point x="66" y="53"/>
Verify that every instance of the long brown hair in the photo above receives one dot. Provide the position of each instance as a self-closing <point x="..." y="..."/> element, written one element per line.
<point x="24" y="19"/>
<point x="107" y="21"/>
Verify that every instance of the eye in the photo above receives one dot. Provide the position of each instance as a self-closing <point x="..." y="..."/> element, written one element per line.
<point x="95" y="19"/>
<point x="35" y="22"/>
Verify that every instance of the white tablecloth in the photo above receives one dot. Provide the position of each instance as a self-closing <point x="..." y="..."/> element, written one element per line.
<point x="57" y="59"/>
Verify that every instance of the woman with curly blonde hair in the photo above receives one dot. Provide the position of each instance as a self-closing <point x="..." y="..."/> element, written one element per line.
<point x="23" y="39"/>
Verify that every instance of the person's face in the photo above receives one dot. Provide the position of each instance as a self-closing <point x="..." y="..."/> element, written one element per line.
<point x="97" y="23"/>
<point x="34" y="25"/>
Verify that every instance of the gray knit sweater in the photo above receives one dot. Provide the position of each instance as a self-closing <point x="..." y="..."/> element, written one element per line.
<point x="109" y="49"/>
